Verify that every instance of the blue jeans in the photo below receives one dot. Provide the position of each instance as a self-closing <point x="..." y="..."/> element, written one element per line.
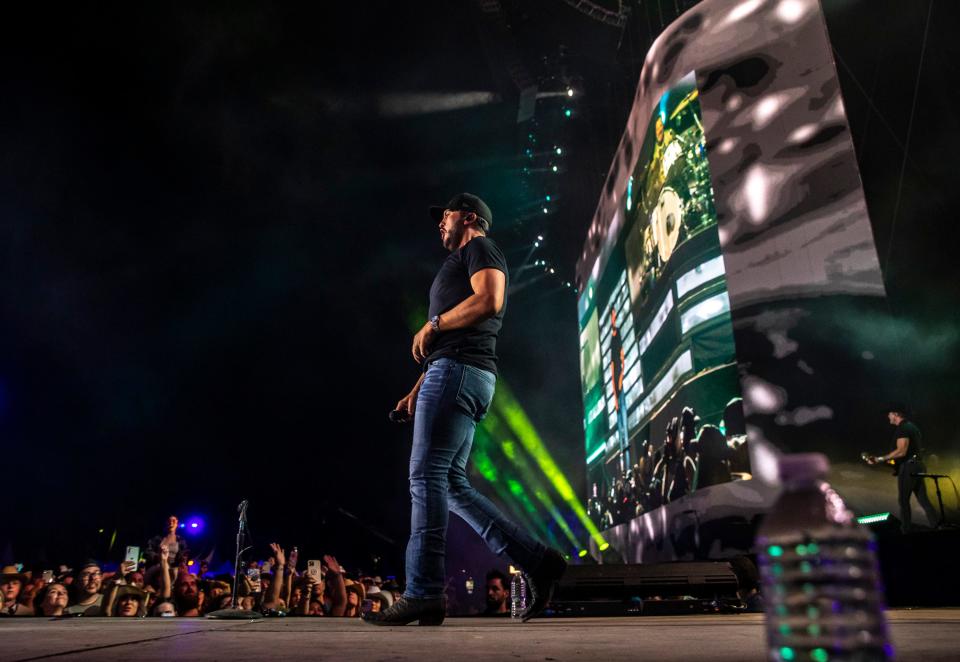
<point x="453" y="398"/>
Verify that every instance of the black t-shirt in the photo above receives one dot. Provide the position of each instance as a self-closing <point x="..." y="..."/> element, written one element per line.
<point x="475" y="345"/>
<point x="911" y="432"/>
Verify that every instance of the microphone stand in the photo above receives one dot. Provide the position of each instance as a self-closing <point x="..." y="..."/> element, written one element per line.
<point x="235" y="612"/>
<point x="241" y="532"/>
<point x="942" y="524"/>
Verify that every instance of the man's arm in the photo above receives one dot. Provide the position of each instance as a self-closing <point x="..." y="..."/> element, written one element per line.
<point x="489" y="291"/>
<point x="489" y="287"/>
<point x="900" y="451"/>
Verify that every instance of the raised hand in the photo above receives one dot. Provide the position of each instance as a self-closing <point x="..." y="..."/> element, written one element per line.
<point x="278" y="554"/>
<point x="164" y="554"/>
<point x="332" y="564"/>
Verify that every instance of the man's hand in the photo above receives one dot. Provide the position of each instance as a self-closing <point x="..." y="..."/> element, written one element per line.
<point x="422" y="342"/>
<point x="117" y="579"/>
<point x="408" y="403"/>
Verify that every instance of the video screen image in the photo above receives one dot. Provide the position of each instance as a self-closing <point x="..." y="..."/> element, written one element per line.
<point x="662" y="409"/>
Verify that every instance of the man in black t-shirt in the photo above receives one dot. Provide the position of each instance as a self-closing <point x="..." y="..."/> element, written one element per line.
<point x="457" y="350"/>
<point x="908" y="462"/>
<point x="498" y="594"/>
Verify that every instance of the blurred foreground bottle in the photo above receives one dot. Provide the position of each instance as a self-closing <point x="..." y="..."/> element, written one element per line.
<point x="518" y="593"/>
<point x="820" y="580"/>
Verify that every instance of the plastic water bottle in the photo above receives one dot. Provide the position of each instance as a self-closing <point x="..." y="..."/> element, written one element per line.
<point x="518" y="595"/>
<point x="820" y="580"/>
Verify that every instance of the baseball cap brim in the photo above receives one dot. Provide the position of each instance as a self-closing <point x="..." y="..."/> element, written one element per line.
<point x="436" y="212"/>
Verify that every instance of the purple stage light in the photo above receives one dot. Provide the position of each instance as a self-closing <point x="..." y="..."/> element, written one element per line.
<point x="194" y="525"/>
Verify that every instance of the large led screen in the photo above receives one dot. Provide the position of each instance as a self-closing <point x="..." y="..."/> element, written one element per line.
<point x="662" y="412"/>
<point x="730" y="246"/>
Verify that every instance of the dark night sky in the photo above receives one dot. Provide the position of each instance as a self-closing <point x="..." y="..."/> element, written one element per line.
<point x="214" y="242"/>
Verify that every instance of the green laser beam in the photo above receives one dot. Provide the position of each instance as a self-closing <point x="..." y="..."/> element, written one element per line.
<point x="507" y="406"/>
<point x="515" y="455"/>
<point x="520" y="506"/>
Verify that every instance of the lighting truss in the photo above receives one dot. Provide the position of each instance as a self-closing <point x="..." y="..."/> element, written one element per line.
<point x="596" y="12"/>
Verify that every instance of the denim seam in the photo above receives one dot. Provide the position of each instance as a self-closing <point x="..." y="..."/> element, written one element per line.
<point x="463" y="377"/>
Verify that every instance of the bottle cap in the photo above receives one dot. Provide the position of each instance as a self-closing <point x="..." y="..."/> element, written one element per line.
<point x="803" y="467"/>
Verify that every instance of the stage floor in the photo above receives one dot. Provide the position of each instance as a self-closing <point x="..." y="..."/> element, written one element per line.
<point x="920" y="634"/>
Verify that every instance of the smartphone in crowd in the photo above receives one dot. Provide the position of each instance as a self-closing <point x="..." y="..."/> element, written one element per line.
<point x="132" y="557"/>
<point x="48" y="576"/>
<point x="253" y="574"/>
<point x="314" y="569"/>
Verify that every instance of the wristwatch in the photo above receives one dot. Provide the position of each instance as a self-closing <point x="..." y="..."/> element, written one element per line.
<point x="435" y="322"/>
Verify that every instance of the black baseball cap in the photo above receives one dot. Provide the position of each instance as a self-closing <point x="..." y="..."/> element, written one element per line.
<point x="464" y="202"/>
<point x="897" y="407"/>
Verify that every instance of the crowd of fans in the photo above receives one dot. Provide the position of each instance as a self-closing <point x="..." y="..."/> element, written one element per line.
<point x="165" y="583"/>
<point x="691" y="456"/>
